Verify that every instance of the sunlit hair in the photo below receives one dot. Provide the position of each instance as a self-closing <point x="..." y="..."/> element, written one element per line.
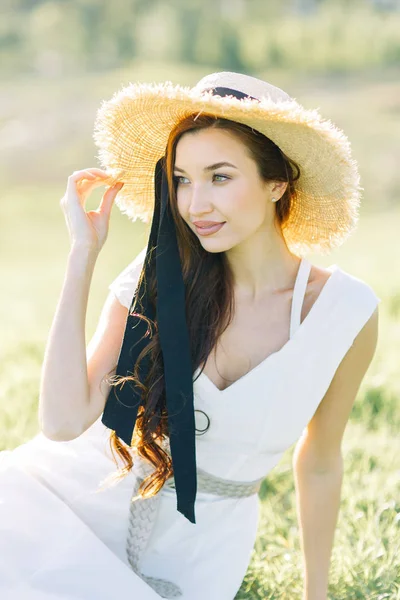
<point x="208" y="282"/>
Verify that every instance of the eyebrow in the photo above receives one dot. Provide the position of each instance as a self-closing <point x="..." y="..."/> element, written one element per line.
<point x="211" y="167"/>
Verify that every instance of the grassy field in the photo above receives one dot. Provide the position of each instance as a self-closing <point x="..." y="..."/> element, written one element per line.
<point x="43" y="142"/>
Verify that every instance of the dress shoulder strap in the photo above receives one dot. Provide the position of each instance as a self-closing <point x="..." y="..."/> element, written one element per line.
<point x="299" y="291"/>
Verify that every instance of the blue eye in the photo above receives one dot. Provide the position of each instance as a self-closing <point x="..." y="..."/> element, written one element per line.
<point x="219" y="175"/>
<point x="177" y="178"/>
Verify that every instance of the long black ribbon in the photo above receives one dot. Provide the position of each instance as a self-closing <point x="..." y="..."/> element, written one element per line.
<point x="175" y="346"/>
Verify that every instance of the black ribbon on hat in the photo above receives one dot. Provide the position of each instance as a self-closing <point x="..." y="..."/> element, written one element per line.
<point x="121" y="408"/>
<point x="224" y="91"/>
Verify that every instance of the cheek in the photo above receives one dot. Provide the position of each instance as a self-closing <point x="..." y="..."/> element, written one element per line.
<point x="233" y="201"/>
<point x="247" y="206"/>
<point x="182" y="203"/>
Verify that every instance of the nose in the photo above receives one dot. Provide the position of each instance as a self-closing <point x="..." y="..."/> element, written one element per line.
<point x="199" y="203"/>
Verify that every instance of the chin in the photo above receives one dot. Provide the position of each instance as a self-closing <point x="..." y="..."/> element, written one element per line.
<point x="213" y="250"/>
<point x="214" y="246"/>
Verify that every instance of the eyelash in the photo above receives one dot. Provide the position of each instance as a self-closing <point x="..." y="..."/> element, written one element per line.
<point x="178" y="177"/>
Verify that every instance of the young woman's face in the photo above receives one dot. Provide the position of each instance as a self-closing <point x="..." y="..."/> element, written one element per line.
<point x="231" y="194"/>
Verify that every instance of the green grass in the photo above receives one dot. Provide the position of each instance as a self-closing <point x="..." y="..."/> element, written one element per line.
<point x="33" y="251"/>
<point x="366" y="545"/>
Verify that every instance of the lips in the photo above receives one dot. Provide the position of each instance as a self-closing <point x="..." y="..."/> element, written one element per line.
<point x="206" y="223"/>
<point x="209" y="230"/>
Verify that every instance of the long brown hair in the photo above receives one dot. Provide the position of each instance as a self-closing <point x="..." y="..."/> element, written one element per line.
<point x="208" y="282"/>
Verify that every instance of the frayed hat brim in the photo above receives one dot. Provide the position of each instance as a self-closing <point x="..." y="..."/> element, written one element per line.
<point x="132" y="129"/>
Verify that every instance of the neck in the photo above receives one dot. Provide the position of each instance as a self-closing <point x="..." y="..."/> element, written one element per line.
<point x="262" y="265"/>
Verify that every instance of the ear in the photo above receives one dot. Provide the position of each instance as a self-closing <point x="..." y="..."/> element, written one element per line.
<point x="279" y="188"/>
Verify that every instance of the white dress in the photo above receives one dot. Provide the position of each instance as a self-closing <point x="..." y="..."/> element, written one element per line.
<point x="60" y="540"/>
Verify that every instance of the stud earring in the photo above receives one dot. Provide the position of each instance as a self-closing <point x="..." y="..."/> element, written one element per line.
<point x="274" y="199"/>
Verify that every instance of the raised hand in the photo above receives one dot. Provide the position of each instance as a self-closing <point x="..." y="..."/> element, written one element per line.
<point x="88" y="228"/>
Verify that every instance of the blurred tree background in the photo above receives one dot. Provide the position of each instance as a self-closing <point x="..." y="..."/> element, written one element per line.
<point x="67" y="36"/>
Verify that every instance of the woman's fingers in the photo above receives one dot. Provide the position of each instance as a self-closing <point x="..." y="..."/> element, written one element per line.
<point x="84" y="181"/>
<point x="109" y="197"/>
<point x="91" y="227"/>
<point x="91" y="173"/>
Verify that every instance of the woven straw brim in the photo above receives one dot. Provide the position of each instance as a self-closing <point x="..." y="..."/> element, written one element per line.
<point x="132" y="129"/>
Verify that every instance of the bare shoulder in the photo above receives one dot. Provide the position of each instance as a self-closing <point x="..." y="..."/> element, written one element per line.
<point x="102" y="355"/>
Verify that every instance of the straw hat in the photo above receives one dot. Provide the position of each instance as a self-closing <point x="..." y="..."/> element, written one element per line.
<point x="131" y="131"/>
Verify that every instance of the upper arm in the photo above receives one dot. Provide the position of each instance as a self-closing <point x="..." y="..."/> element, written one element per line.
<point x="103" y="350"/>
<point x="320" y="445"/>
<point x="102" y="355"/>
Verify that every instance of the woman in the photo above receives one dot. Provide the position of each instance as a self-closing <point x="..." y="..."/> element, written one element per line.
<point x="225" y="330"/>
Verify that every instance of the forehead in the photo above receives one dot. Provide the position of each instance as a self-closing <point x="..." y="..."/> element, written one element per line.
<point x="210" y="143"/>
